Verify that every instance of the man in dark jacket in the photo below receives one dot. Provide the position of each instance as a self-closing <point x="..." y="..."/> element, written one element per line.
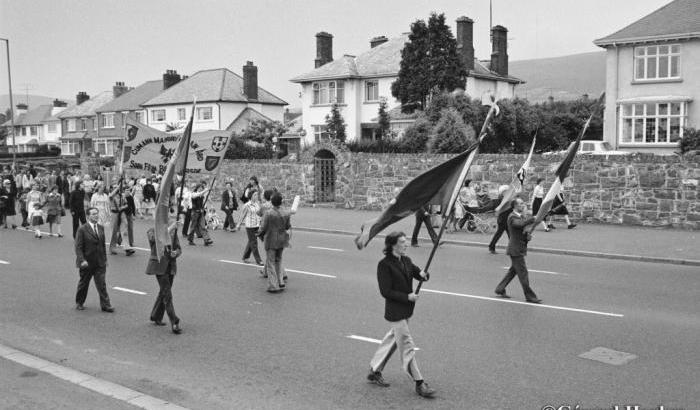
<point x="91" y="261"/>
<point x="517" y="249"/>
<point x="501" y="220"/>
<point x="165" y="270"/>
<point x="77" y="206"/>
<point x="395" y="274"/>
<point x="228" y="205"/>
<point x="423" y="217"/>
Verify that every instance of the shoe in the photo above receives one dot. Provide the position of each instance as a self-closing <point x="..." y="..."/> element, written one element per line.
<point x="59" y="235"/>
<point x="424" y="390"/>
<point x="208" y="243"/>
<point x="282" y="285"/>
<point x="538" y="301"/>
<point x="14" y="226"/>
<point x="38" y="236"/>
<point x="129" y="252"/>
<point x="546" y="229"/>
<point x="550" y="226"/>
<point x="176" y="328"/>
<point x="503" y="294"/>
<point x="191" y="243"/>
<point x="415" y="245"/>
<point x="572" y="226"/>
<point x="79" y="306"/>
<point x="259" y="263"/>
<point x="285" y="279"/>
<point x="376" y="378"/>
<point x="108" y="309"/>
<point x="272" y="290"/>
<point x="158" y="322"/>
<point x="493" y="251"/>
<point x="246" y="260"/>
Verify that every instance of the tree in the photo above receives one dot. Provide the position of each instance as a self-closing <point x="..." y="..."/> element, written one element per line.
<point x="384" y="121"/>
<point x="429" y="64"/>
<point x="415" y="138"/>
<point x="335" y="124"/>
<point x="451" y="134"/>
<point x="263" y="132"/>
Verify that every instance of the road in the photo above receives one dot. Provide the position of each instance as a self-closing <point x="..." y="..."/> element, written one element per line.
<point x="309" y="347"/>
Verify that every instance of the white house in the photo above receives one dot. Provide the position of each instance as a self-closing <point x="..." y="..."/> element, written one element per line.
<point x="223" y="97"/>
<point x="357" y="83"/>
<point x="653" y="78"/>
<point x="35" y="127"/>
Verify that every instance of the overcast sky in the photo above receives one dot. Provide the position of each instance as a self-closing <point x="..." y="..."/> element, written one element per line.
<point x="61" y="47"/>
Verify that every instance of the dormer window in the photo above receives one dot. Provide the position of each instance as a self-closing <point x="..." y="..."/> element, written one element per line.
<point x="659" y="62"/>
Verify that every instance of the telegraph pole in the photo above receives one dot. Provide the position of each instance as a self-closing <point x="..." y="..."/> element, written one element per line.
<point x="12" y="105"/>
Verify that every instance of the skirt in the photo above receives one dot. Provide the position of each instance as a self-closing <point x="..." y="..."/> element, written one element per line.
<point x="536" y="203"/>
<point x="53" y="219"/>
<point x="37" y="220"/>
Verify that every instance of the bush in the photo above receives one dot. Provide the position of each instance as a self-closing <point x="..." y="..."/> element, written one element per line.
<point x="379" y="146"/>
<point x="690" y="140"/>
<point x="239" y="149"/>
<point x="416" y="136"/>
<point x="451" y="134"/>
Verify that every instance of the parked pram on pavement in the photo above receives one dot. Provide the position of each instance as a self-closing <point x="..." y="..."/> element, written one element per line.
<point x="480" y="218"/>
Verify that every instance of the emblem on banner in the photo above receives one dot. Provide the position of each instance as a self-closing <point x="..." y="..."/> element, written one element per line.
<point x="200" y="155"/>
<point x="166" y="153"/>
<point x="131" y="133"/>
<point x="218" y="143"/>
<point x="211" y="163"/>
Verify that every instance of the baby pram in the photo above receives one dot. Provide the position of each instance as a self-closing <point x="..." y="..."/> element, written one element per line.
<point x="480" y="218"/>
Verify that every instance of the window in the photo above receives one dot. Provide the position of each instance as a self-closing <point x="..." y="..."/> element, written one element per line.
<point x="33" y="130"/>
<point x="329" y="92"/>
<point x="24" y="131"/>
<point x="83" y="124"/>
<point x="657" y="62"/>
<point x="181" y="115"/>
<point x="652" y="123"/>
<point x="71" y="125"/>
<point x="104" y="147"/>
<point x="204" y="114"/>
<point x="52" y="127"/>
<point x="372" y="90"/>
<point x="320" y="133"/>
<point x="124" y="114"/>
<point x="108" y="120"/>
<point x="158" y="115"/>
<point x="70" y="147"/>
<point x="139" y="116"/>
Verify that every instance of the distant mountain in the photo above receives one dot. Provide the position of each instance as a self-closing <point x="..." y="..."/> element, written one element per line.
<point x="34" y="100"/>
<point x="564" y="78"/>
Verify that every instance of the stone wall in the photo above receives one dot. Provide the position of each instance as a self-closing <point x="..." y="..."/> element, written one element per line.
<point x="636" y="190"/>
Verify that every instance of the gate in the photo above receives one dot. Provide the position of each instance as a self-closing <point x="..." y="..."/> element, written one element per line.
<point x="324" y="176"/>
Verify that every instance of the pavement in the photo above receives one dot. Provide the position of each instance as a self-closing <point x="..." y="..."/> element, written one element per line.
<point x="661" y="245"/>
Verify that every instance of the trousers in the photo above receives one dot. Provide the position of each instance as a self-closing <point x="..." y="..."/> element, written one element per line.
<point x="118" y="219"/>
<point x="98" y="274"/>
<point x="164" y="301"/>
<point x="252" y="245"/>
<point x="398" y="337"/>
<point x="518" y="268"/>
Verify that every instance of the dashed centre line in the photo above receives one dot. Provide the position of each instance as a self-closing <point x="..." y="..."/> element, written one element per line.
<point x="541" y="271"/>
<point x="136" y="292"/>
<point x="364" y="339"/>
<point x="303" y="272"/>
<point x="326" y="249"/>
<point x="2" y="262"/>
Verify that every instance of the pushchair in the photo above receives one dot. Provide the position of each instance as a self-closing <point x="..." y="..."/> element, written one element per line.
<point x="480" y="218"/>
<point x="213" y="220"/>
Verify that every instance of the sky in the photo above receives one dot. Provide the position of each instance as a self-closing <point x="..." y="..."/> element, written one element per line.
<point x="58" y="48"/>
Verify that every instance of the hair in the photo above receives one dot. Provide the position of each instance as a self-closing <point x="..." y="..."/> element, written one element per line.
<point x="467" y="182"/>
<point x="254" y="178"/>
<point x="250" y="193"/>
<point x="539" y="180"/>
<point x="268" y="194"/>
<point x="391" y="240"/>
<point x="228" y="183"/>
<point x="78" y="184"/>
<point x="90" y="208"/>
<point x="54" y="188"/>
<point x="276" y="199"/>
<point x="515" y="202"/>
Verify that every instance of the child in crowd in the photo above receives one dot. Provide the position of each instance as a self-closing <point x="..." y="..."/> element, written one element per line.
<point x="23" y="206"/>
<point x="36" y="215"/>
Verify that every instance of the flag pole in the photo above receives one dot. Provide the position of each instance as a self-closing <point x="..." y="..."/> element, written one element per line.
<point x="493" y="111"/>
<point x="186" y="154"/>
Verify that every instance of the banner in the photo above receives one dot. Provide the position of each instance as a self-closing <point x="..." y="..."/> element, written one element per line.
<point x="149" y="150"/>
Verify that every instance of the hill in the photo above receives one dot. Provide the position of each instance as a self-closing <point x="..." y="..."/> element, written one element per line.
<point x="564" y="78"/>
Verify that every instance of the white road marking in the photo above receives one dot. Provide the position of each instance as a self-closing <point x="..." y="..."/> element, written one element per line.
<point x="325" y="249"/>
<point x="364" y="339"/>
<point x="287" y="269"/>
<point x="2" y="262"/>
<point x="541" y="271"/>
<point x="495" y="299"/>
<point x="133" y="247"/>
<point x="138" y="292"/>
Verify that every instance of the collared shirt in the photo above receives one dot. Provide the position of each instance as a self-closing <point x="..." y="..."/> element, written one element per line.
<point x="251" y="218"/>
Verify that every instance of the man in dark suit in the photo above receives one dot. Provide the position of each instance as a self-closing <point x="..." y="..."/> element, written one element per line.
<point x="423" y="217"/>
<point x="273" y="232"/>
<point x="77" y="206"/>
<point x="502" y="221"/>
<point x="395" y="274"/>
<point x="91" y="261"/>
<point x="517" y="249"/>
<point x="165" y="270"/>
<point x="228" y="205"/>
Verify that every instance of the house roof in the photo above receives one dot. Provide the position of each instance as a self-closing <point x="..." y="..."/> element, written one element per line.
<point x="132" y="99"/>
<point x="244" y="119"/>
<point x="383" y="60"/>
<point x="87" y="108"/>
<point x="34" y="116"/>
<point x="395" y="114"/>
<point x="676" y="20"/>
<point x="220" y="84"/>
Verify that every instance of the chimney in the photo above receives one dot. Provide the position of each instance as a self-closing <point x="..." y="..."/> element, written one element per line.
<point x="119" y="88"/>
<point x="377" y="41"/>
<point x="465" y="42"/>
<point x="324" y="49"/>
<point x="21" y="109"/>
<point x="250" y="81"/>
<point x="58" y="106"/>
<point x="81" y="97"/>
<point x="499" y="55"/>
<point x="170" y="78"/>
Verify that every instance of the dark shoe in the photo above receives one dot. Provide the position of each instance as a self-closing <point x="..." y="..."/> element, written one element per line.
<point x="503" y="294"/>
<point x="285" y="279"/>
<point x="282" y="285"/>
<point x="208" y="243"/>
<point x="59" y="235"/>
<point x="415" y="245"/>
<point x="493" y="251"/>
<point x="246" y="260"/>
<point x="424" y="390"/>
<point x="108" y="309"/>
<point x="14" y="226"/>
<point x="176" y="328"/>
<point x="158" y="322"/>
<point x="79" y="307"/>
<point x="572" y="226"/>
<point x="129" y="252"/>
<point x="272" y="290"/>
<point x="550" y="226"/>
<point x="546" y="229"/>
<point x="259" y="263"/>
<point x="376" y="378"/>
<point x="538" y="301"/>
<point x="191" y="243"/>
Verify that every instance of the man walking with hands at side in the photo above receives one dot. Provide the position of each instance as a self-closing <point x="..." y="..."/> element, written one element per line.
<point x="91" y="260"/>
<point x="395" y="274"/>
<point x="517" y="249"/>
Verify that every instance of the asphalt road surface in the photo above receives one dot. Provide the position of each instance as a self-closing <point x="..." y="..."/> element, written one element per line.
<point x="309" y="347"/>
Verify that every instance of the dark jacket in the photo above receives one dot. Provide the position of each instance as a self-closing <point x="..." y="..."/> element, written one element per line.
<point x="273" y="229"/>
<point x="149" y="192"/>
<point x="77" y="198"/>
<point x="395" y="277"/>
<point x="228" y="200"/>
<point x="90" y="247"/>
<point x="517" y="244"/>
<point x="168" y="264"/>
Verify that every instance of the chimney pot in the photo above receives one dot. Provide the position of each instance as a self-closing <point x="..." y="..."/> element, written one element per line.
<point x="119" y="89"/>
<point x="499" y="55"/>
<point x="250" y="81"/>
<point x="465" y="42"/>
<point x="170" y="78"/>
<point x="378" y="41"/>
<point x="324" y="49"/>
<point x="81" y="97"/>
